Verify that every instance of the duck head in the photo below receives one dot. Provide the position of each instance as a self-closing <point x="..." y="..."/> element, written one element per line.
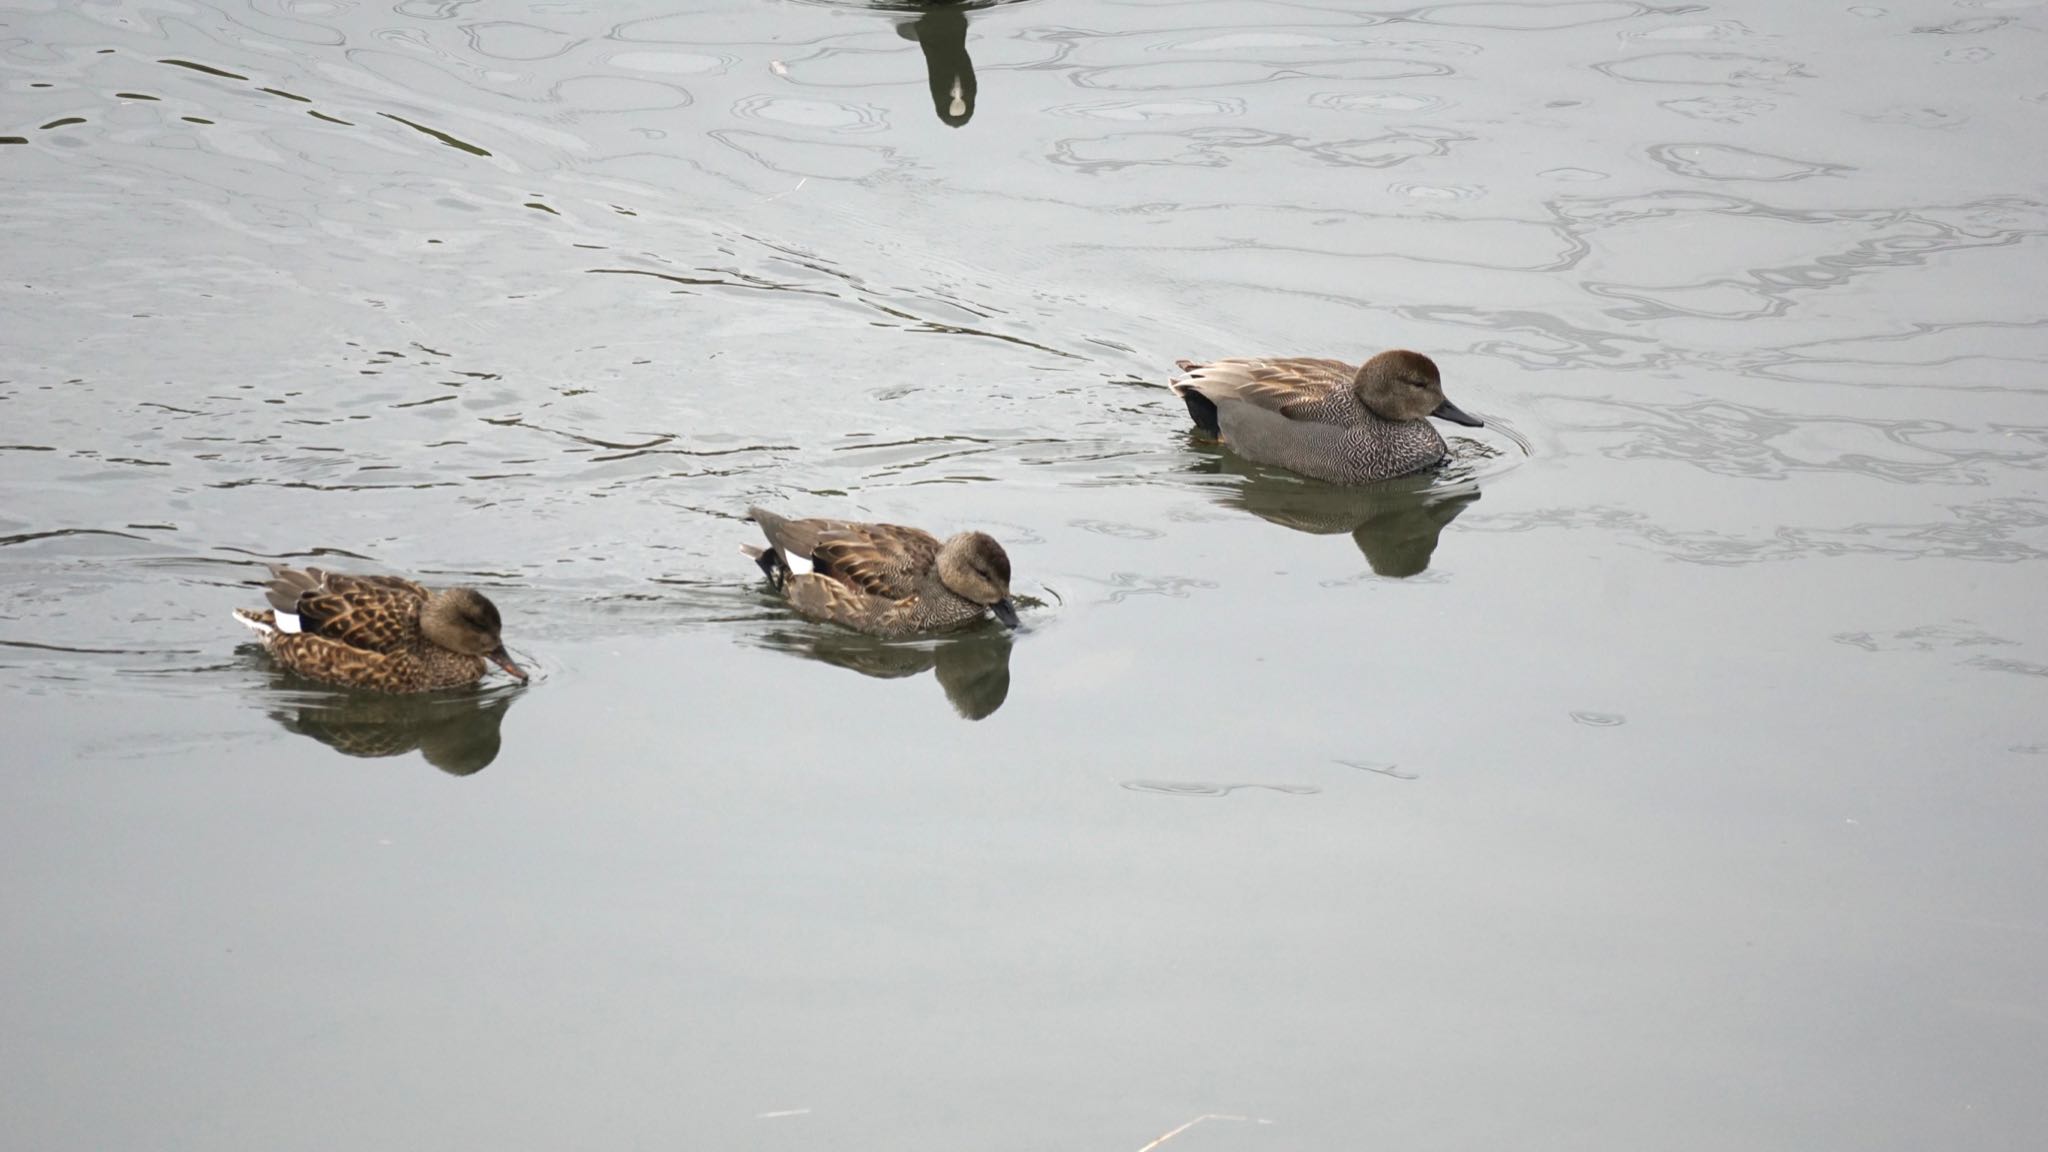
<point x="1401" y="385"/>
<point x="973" y="566"/>
<point x="464" y="620"/>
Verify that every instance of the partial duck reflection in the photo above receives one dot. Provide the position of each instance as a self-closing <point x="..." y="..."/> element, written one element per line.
<point x="941" y="31"/>
<point x="1395" y="523"/>
<point x="973" y="669"/>
<point x="455" y="731"/>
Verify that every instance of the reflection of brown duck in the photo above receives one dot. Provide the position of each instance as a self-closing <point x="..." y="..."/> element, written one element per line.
<point x="1394" y="523"/>
<point x="455" y="732"/>
<point x="973" y="670"/>
<point x="942" y="32"/>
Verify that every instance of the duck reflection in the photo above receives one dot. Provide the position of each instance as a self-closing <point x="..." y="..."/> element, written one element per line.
<point x="941" y="31"/>
<point x="974" y="670"/>
<point x="455" y="731"/>
<point x="1395" y="523"/>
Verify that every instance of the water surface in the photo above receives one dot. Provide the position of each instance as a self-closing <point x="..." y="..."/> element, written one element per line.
<point x="1666" y="773"/>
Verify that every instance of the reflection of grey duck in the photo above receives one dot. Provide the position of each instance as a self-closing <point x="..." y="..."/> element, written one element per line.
<point x="378" y="632"/>
<point x="942" y="33"/>
<point x="1395" y="523"/>
<point x="884" y="579"/>
<point x="1324" y="418"/>
<point x="458" y="734"/>
<point x="973" y="670"/>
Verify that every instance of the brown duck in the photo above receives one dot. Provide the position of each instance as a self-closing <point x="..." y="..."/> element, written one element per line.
<point x="1345" y="423"/>
<point x="382" y="633"/>
<point x="884" y="579"/>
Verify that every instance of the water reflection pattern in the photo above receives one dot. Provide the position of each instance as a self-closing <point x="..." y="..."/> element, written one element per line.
<point x="941" y="33"/>
<point x="973" y="670"/>
<point x="1396" y="524"/>
<point x="457" y="732"/>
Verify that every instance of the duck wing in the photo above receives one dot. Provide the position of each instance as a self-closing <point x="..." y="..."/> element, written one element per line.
<point x="1297" y="387"/>
<point x="874" y="559"/>
<point x="883" y="560"/>
<point x="373" y="613"/>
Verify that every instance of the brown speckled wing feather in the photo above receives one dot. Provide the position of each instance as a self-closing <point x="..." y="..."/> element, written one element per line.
<point x="827" y="598"/>
<point x="341" y="663"/>
<point x="796" y="537"/>
<point x="1298" y="387"/>
<point x="374" y="613"/>
<point x="879" y="559"/>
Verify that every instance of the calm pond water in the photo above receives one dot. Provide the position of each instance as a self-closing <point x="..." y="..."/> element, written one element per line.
<point x="1669" y="773"/>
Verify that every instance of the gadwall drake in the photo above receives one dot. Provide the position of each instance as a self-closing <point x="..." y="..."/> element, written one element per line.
<point x="1345" y="423"/>
<point x="884" y="579"/>
<point x="382" y="633"/>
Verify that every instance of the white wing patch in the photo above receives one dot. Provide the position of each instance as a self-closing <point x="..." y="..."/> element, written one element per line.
<point x="797" y="565"/>
<point x="287" y="621"/>
<point x="1225" y="376"/>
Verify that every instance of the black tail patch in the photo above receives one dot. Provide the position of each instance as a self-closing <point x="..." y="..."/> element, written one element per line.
<point x="1203" y="410"/>
<point x="771" y="565"/>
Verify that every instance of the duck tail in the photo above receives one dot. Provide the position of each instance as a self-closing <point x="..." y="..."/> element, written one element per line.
<point x="257" y="622"/>
<point x="1201" y="409"/>
<point x="770" y="561"/>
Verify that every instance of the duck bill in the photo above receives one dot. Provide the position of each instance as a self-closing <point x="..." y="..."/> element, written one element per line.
<point x="503" y="659"/>
<point x="1457" y="415"/>
<point x="1005" y="612"/>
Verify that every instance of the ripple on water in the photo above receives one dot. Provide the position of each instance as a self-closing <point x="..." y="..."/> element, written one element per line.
<point x="1722" y="69"/>
<point x="1727" y="162"/>
<point x="1381" y="768"/>
<point x="1531" y="17"/>
<point x="1924" y="638"/>
<point x="1437" y="192"/>
<point x="600" y="94"/>
<point x="1720" y="109"/>
<point x="1140" y="110"/>
<point x="1716" y="30"/>
<point x="1967" y="26"/>
<point x="1932" y="118"/>
<point x="1246" y="73"/>
<point x="668" y="63"/>
<point x="1204" y="790"/>
<point x="796" y="157"/>
<point x="1216" y="147"/>
<point x="1403" y="102"/>
<point x="516" y="41"/>
<point x="832" y="116"/>
<point x="1242" y="41"/>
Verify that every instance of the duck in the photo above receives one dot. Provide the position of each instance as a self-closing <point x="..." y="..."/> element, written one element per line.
<point x="884" y="579"/>
<point x="380" y="633"/>
<point x="1326" y="419"/>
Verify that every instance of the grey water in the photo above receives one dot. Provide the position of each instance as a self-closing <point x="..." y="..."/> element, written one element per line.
<point x="1667" y="772"/>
